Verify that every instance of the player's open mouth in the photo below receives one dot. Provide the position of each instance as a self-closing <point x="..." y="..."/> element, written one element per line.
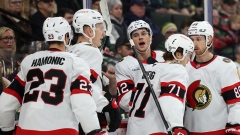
<point x="142" y="43"/>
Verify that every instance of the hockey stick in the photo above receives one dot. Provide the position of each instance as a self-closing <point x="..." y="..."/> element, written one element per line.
<point x="108" y="23"/>
<point x="150" y="86"/>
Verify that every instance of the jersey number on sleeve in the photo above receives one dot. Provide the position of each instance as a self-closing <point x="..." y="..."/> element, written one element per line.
<point x="56" y="89"/>
<point x="140" y="113"/>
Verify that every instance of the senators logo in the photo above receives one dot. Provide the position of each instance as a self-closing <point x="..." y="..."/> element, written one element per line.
<point x="198" y="96"/>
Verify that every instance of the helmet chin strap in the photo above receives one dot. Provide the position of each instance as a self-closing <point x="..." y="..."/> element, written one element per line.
<point x="90" y="38"/>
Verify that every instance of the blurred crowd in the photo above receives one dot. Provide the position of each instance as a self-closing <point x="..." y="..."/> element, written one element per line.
<point x="21" y="23"/>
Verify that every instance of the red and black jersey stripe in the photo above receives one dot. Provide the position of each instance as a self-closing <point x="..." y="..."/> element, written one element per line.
<point x="16" y="89"/>
<point x="231" y="94"/>
<point x="124" y="87"/>
<point x="93" y="76"/>
<point x="174" y="89"/>
<point x="81" y="85"/>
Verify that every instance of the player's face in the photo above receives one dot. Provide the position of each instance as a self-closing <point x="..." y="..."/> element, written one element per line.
<point x="99" y="34"/>
<point x="125" y="50"/>
<point x="199" y="44"/>
<point x="69" y="18"/>
<point x="7" y="41"/>
<point x="141" y="39"/>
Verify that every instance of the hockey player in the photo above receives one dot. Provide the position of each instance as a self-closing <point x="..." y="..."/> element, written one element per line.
<point x="128" y="70"/>
<point x="52" y="88"/>
<point x="213" y="97"/>
<point x="89" y="26"/>
<point x="169" y="81"/>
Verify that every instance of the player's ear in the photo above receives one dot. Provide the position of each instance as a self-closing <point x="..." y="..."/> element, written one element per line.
<point x="210" y="40"/>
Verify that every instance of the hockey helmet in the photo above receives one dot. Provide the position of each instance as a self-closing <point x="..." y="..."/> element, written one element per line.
<point x="179" y="40"/>
<point x="135" y="25"/>
<point x="55" y="28"/>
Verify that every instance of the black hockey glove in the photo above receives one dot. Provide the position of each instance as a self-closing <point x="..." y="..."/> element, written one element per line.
<point x="97" y="132"/>
<point x="114" y="113"/>
<point x="233" y="129"/>
<point x="180" y="131"/>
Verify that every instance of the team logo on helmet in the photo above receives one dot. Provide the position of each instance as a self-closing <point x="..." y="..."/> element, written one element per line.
<point x="198" y="96"/>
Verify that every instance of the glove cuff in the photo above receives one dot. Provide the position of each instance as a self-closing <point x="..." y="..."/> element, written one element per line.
<point x="180" y="131"/>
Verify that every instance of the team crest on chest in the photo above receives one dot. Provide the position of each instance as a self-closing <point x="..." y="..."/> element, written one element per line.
<point x="203" y="97"/>
<point x="198" y="96"/>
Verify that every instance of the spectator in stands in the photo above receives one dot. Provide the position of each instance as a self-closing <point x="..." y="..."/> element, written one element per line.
<point x="223" y="38"/>
<point x="45" y="8"/>
<point x="168" y="29"/>
<point x="96" y="5"/>
<point x="185" y="24"/>
<point x="68" y="15"/>
<point x="123" y="47"/>
<point x="229" y="7"/>
<point x="234" y="26"/>
<point x="7" y="51"/>
<point x="15" y="19"/>
<point x="74" y="5"/>
<point x="119" y="25"/>
<point x="137" y="12"/>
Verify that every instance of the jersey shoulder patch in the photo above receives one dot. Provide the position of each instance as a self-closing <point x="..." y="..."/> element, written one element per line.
<point x="226" y="60"/>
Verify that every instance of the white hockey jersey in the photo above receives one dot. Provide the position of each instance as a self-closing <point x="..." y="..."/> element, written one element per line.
<point x="94" y="59"/>
<point x="214" y="92"/>
<point x="169" y="82"/>
<point x="127" y="72"/>
<point x="54" y="92"/>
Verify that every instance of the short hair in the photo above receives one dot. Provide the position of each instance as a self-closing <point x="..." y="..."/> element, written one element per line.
<point x="61" y="12"/>
<point x="111" y="3"/>
<point x="186" y="23"/>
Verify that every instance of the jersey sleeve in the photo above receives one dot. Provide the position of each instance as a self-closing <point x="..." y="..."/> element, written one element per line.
<point x="125" y="85"/>
<point x="93" y="58"/>
<point x="82" y="102"/>
<point x="231" y="92"/>
<point x="10" y="100"/>
<point x="172" y="95"/>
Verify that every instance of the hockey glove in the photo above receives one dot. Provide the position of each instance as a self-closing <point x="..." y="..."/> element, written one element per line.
<point x="12" y="132"/>
<point x="180" y="131"/>
<point x="233" y="129"/>
<point x="97" y="132"/>
<point x="114" y="113"/>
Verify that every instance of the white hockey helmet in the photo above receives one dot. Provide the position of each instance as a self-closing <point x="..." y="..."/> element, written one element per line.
<point x="86" y="17"/>
<point x="179" y="40"/>
<point x="201" y="28"/>
<point x="135" y="25"/>
<point x="55" y="28"/>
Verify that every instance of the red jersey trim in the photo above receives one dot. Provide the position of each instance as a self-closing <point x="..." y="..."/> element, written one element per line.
<point x="173" y="82"/>
<point x="78" y="91"/>
<point x="13" y="93"/>
<point x="20" y="81"/>
<point x="159" y="133"/>
<point x="65" y="131"/>
<point x="95" y="75"/>
<point x="225" y="89"/>
<point x="199" y="65"/>
<point x="125" y="81"/>
<point x="219" y="132"/>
